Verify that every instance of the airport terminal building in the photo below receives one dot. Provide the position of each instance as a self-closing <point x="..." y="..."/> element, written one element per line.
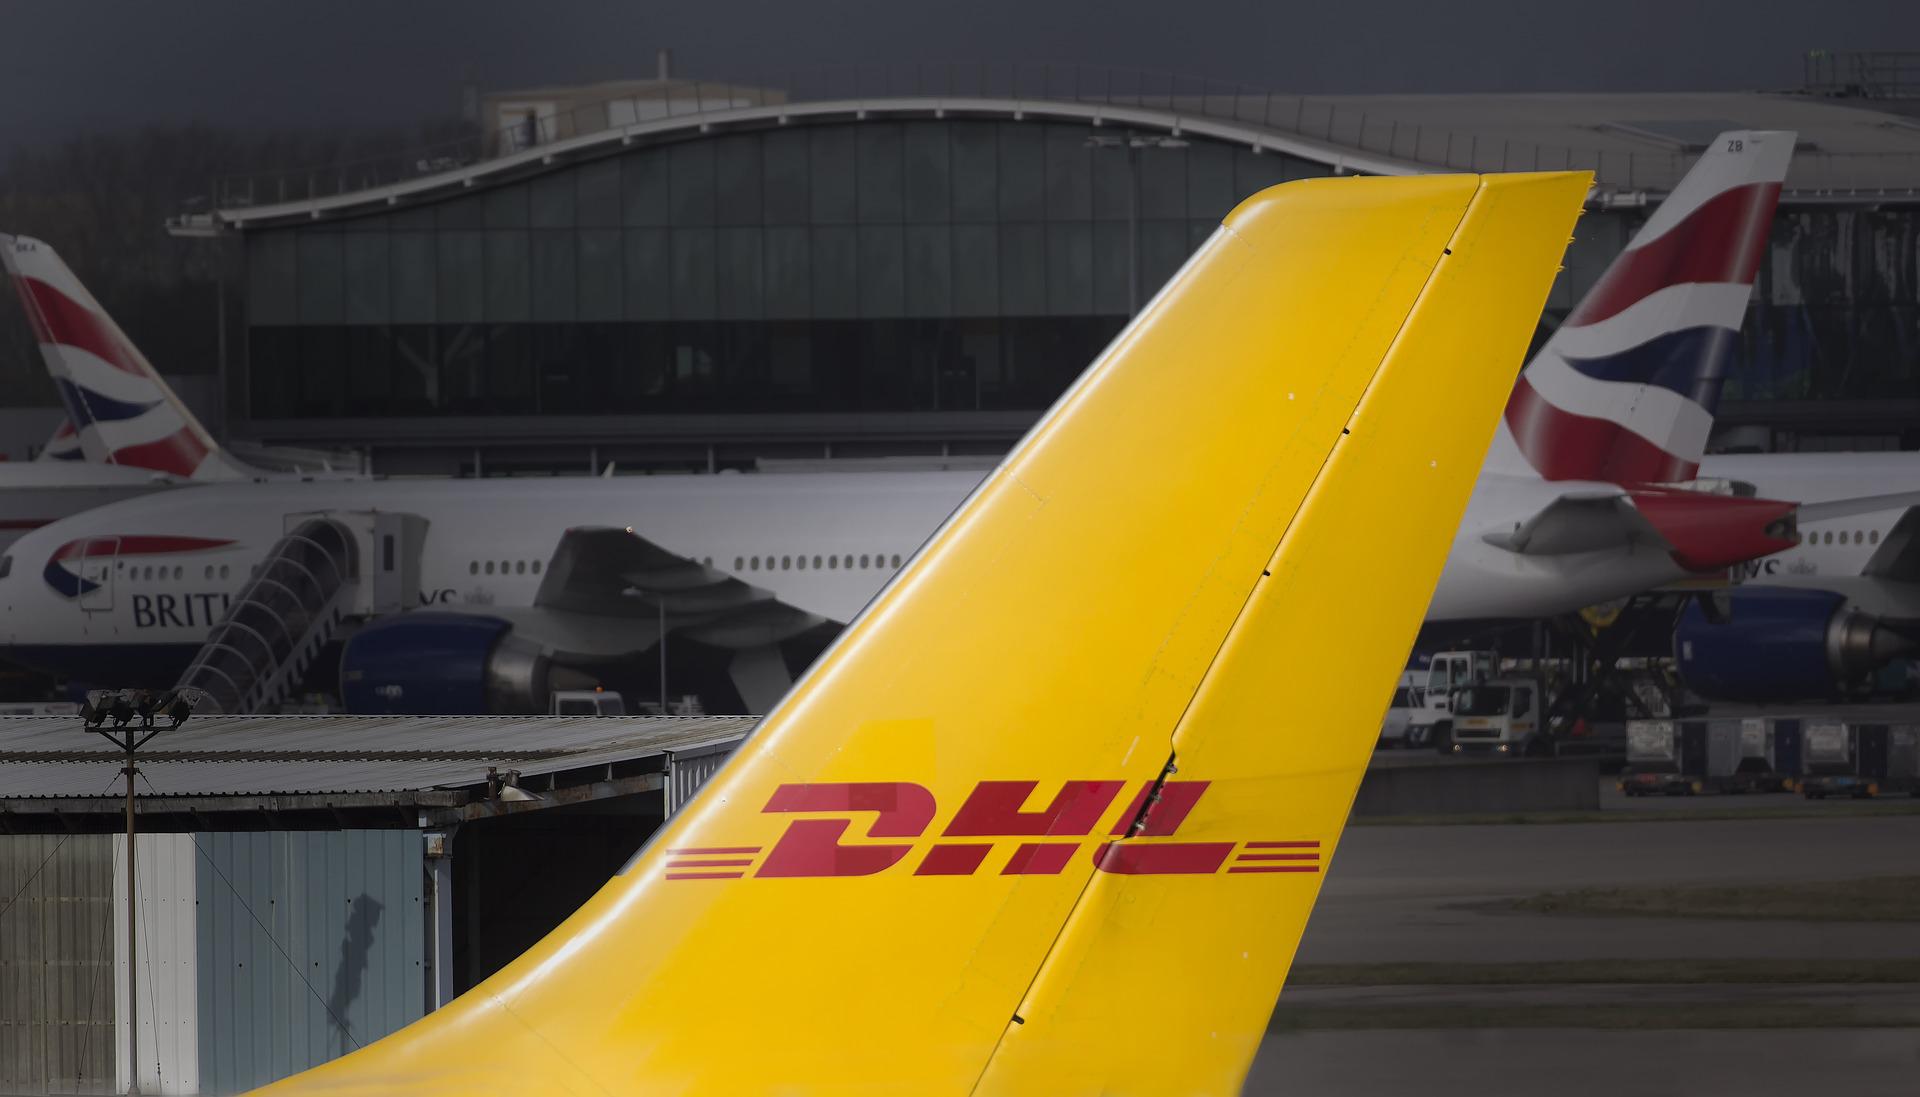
<point x="683" y="275"/>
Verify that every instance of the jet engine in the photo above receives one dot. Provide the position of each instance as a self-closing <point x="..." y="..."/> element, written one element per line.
<point x="426" y="663"/>
<point x="1779" y="644"/>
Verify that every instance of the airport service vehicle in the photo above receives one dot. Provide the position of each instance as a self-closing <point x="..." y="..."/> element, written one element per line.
<point x="1406" y="699"/>
<point x="512" y="589"/>
<point x="1499" y="716"/>
<point x="586" y="702"/>
<point x="884" y="838"/>
<point x="1431" y="722"/>
<point x="1860" y="760"/>
<point x="1726" y="754"/>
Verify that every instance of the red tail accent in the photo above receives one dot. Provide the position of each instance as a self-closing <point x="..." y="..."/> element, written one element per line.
<point x="1565" y="446"/>
<point x="58" y="318"/>
<point x="1722" y="241"/>
<point x="1713" y="532"/>
<point x="179" y="453"/>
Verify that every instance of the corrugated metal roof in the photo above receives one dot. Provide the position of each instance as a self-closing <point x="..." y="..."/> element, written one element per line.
<point x="53" y="757"/>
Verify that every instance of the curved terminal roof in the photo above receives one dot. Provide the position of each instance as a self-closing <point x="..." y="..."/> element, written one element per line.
<point x="1638" y="145"/>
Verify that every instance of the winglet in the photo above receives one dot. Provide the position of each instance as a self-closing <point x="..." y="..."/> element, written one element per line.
<point x="1050" y="815"/>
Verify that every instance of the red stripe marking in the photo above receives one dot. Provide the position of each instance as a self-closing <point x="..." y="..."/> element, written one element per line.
<point x="1176" y="802"/>
<point x="717" y="849"/>
<point x="705" y="875"/>
<point x="1564" y="446"/>
<point x="1275" y="868"/>
<point x="1283" y="845"/>
<point x="1722" y="241"/>
<point x="58" y="318"/>
<point x="952" y="859"/>
<point x="135" y="545"/>
<point x="717" y="863"/>
<point x="1128" y="859"/>
<point x="179" y="453"/>
<point x="1279" y="856"/>
<point x="1040" y="858"/>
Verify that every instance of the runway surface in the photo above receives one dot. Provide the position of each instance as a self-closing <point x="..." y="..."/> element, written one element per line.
<point x="1408" y="894"/>
<point x="1586" y="1063"/>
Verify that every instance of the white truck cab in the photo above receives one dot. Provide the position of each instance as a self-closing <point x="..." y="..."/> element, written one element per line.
<point x="1431" y="722"/>
<point x="1499" y="715"/>
<point x="586" y="702"/>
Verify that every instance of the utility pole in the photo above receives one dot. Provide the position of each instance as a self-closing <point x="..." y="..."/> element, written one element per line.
<point x="130" y="738"/>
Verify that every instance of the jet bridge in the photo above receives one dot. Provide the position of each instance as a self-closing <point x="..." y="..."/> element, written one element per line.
<point x="332" y="567"/>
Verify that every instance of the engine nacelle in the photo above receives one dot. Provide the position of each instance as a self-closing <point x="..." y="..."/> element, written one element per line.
<point x="1780" y="644"/>
<point x="428" y="663"/>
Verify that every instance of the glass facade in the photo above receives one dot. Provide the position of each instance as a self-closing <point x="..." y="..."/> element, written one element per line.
<point x="1836" y="314"/>
<point x="864" y="266"/>
<point x="880" y="265"/>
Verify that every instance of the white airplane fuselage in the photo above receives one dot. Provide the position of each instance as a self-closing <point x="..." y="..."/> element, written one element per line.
<point x="1832" y="553"/>
<point x="823" y="542"/>
<point x="39" y="493"/>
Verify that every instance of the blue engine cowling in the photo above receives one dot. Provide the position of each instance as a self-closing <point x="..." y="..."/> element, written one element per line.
<point x="436" y="663"/>
<point x="1779" y="644"/>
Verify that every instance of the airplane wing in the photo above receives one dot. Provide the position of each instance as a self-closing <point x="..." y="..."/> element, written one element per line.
<point x="1898" y="557"/>
<point x="605" y="571"/>
<point x="1577" y="523"/>
<point x="1046" y="819"/>
<point x="1704" y="532"/>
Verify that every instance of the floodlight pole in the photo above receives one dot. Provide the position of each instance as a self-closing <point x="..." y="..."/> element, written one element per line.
<point x="133" y="939"/>
<point x="129" y="740"/>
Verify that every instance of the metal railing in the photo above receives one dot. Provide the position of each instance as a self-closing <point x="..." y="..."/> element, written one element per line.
<point x="1336" y="125"/>
<point x="1870" y="74"/>
<point x="276" y="624"/>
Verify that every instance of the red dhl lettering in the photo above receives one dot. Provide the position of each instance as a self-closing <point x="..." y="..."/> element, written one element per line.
<point x="898" y="818"/>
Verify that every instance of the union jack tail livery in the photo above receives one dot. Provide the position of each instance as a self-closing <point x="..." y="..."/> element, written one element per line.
<point x="120" y="410"/>
<point x="1625" y="391"/>
<point x="64" y="445"/>
<point x="1046" y="819"/>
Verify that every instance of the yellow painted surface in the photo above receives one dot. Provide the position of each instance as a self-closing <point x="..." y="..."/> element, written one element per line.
<point x="1100" y="604"/>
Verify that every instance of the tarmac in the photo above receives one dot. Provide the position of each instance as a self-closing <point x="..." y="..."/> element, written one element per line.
<point x="1588" y="1063"/>
<point x="1420" y="893"/>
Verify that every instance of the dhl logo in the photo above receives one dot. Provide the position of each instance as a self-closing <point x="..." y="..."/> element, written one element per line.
<point x="993" y="810"/>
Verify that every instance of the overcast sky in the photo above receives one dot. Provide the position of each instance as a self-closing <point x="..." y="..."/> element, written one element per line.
<point x="87" y="65"/>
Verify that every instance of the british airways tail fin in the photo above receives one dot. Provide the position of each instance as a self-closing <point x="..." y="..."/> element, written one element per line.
<point x="1625" y="391"/>
<point x="1095" y="883"/>
<point x="65" y="443"/>
<point x="120" y="409"/>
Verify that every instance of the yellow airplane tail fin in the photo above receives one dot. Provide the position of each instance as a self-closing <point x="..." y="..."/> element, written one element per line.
<point x="1050" y="816"/>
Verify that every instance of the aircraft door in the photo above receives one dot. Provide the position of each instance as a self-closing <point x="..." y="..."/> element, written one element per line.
<point x="99" y="561"/>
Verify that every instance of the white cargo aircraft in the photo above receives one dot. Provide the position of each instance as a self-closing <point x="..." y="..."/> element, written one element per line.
<point x="515" y="578"/>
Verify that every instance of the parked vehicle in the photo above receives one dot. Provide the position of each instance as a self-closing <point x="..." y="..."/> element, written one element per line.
<point x="1407" y="699"/>
<point x="1500" y="716"/>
